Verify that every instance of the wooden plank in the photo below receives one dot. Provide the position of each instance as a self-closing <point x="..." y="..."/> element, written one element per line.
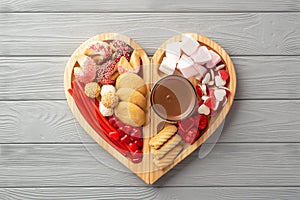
<point x="149" y="6"/>
<point x="259" y="77"/>
<point x="147" y="193"/>
<point x="89" y="165"/>
<point x="52" y="122"/>
<point x="237" y="33"/>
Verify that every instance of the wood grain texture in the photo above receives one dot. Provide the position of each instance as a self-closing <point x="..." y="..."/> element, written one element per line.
<point x="89" y="165"/>
<point x="237" y="33"/>
<point x="149" y="6"/>
<point x="256" y="77"/>
<point x="53" y="122"/>
<point x="151" y="193"/>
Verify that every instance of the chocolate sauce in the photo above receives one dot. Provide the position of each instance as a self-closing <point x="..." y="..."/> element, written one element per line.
<point x="173" y="98"/>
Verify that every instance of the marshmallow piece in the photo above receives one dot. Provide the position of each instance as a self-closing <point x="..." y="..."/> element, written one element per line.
<point x="201" y="70"/>
<point x="167" y="66"/>
<point x="219" y="94"/>
<point x="186" y="66"/>
<point x="215" y="59"/>
<point x="189" y="45"/>
<point x="201" y="56"/>
<point x="173" y="51"/>
<point x="219" y="81"/>
<point x="203" y="109"/>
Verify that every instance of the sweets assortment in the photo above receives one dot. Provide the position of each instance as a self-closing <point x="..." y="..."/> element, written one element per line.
<point x="111" y="95"/>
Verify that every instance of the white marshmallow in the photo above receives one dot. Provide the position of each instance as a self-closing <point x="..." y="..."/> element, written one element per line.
<point x="203" y="109"/>
<point x="201" y="70"/>
<point x="167" y="66"/>
<point x="189" y="45"/>
<point x="215" y="59"/>
<point x="201" y="56"/>
<point x="173" y="51"/>
<point x="186" y="66"/>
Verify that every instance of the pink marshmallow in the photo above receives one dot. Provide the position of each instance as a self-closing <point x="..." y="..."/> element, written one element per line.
<point x="201" y="56"/>
<point x="214" y="61"/>
<point x="189" y="45"/>
<point x="186" y="66"/>
<point x="167" y="66"/>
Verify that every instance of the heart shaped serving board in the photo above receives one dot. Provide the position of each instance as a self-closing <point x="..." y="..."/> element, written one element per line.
<point x="147" y="169"/>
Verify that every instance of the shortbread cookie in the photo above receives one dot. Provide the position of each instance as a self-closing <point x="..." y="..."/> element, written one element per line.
<point x="169" y="158"/>
<point x="170" y="144"/>
<point x="131" y="80"/>
<point x="132" y="96"/>
<point x="130" y="113"/>
<point x="163" y="136"/>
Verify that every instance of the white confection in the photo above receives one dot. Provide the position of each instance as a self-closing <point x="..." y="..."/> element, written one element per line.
<point x="107" y="88"/>
<point x="204" y="98"/>
<point x="219" y="82"/>
<point x="186" y="66"/>
<point x="106" y="112"/>
<point x="203" y="109"/>
<point x="173" y="51"/>
<point x="167" y="66"/>
<point x="220" y="94"/>
<point x="206" y="79"/>
<point x="189" y="45"/>
<point x="216" y="105"/>
<point x="219" y="67"/>
<point x="215" y="59"/>
<point x="201" y="56"/>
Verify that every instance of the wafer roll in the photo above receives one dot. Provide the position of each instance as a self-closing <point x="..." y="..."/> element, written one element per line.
<point x="169" y="158"/>
<point x="163" y="136"/>
<point x="170" y="144"/>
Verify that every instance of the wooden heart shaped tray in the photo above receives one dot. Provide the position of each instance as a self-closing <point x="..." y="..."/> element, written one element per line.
<point x="150" y="115"/>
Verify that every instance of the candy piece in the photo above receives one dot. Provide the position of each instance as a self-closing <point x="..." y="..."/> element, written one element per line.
<point x="210" y="102"/>
<point x="110" y="100"/>
<point x="214" y="61"/>
<point x="99" y="51"/>
<point x="219" y="67"/>
<point x="225" y="101"/>
<point x="167" y="66"/>
<point x="107" y="88"/>
<point x="92" y="90"/>
<point x="173" y="51"/>
<point x="87" y="70"/>
<point x="203" y="122"/>
<point x="105" y="72"/>
<point x="226" y="89"/>
<point x="212" y="75"/>
<point x="219" y="94"/>
<point x="204" y="98"/>
<point x="203" y="109"/>
<point x="124" y="66"/>
<point x="206" y="79"/>
<point x="121" y="49"/>
<point x="201" y="56"/>
<point x="216" y="106"/>
<point x="204" y="89"/>
<point x="189" y="45"/>
<point x="186" y="66"/>
<point x="106" y="112"/>
<point x="224" y="74"/>
<point x="211" y="83"/>
<point x="219" y="81"/>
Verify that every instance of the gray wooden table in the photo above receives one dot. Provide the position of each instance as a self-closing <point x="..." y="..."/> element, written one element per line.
<point x="44" y="154"/>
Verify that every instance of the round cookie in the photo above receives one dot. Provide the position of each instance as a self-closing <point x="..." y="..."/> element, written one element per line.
<point x="132" y="96"/>
<point x="130" y="113"/>
<point x="131" y="80"/>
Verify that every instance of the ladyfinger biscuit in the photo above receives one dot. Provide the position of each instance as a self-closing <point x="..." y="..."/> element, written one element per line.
<point x="169" y="158"/>
<point x="163" y="136"/>
<point x="170" y="144"/>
